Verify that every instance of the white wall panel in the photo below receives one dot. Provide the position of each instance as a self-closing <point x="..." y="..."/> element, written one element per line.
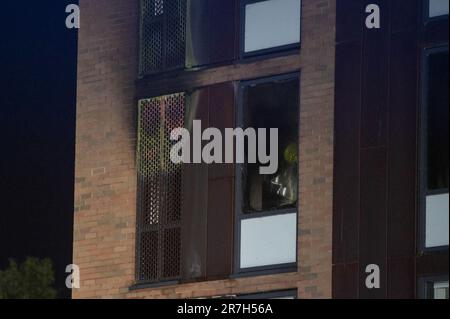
<point x="272" y="23"/>
<point x="437" y="220"/>
<point x="268" y="240"/>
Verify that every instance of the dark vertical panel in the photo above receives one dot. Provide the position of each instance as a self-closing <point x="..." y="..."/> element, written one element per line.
<point x="220" y="235"/>
<point x="401" y="283"/>
<point x="349" y="20"/>
<point x="221" y="116"/>
<point x="195" y="198"/>
<point x="372" y="247"/>
<point x="347" y="121"/>
<point x="403" y="107"/>
<point x="211" y="36"/>
<point x="220" y="192"/>
<point x="375" y="84"/>
<point x="404" y="14"/>
<point x="345" y="281"/>
<point x="222" y="15"/>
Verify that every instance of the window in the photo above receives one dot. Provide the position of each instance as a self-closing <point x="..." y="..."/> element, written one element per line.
<point x="162" y="35"/>
<point x="433" y="288"/>
<point x="159" y="190"/>
<point x="270" y="25"/>
<point x="437" y="8"/>
<point x="440" y="290"/>
<point x="435" y="155"/>
<point x="266" y="205"/>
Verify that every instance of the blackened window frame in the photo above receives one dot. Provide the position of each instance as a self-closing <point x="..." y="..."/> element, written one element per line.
<point x="263" y="53"/>
<point x="423" y="155"/>
<point x="238" y="213"/>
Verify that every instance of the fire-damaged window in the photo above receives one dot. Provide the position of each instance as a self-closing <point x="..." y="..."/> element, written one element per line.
<point x="159" y="190"/>
<point x="162" y="35"/>
<point x="266" y="205"/>
<point x="435" y="151"/>
<point x="269" y="25"/>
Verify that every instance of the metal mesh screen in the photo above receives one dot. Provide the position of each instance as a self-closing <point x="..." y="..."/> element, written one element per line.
<point x="159" y="190"/>
<point x="163" y="35"/>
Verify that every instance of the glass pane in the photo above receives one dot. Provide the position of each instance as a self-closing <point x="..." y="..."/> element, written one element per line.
<point x="270" y="24"/>
<point x="441" y="290"/>
<point x="268" y="241"/>
<point x="437" y="122"/>
<point x="438" y="8"/>
<point x="437" y="220"/>
<point x="272" y="105"/>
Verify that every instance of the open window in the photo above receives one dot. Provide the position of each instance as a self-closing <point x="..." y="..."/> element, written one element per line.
<point x="269" y="26"/>
<point x="435" y="150"/>
<point x="266" y="205"/>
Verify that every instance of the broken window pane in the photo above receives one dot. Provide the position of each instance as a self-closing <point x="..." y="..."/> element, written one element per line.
<point x="437" y="122"/>
<point x="268" y="105"/>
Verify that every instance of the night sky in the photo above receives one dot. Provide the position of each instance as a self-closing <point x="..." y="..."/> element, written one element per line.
<point x="37" y="132"/>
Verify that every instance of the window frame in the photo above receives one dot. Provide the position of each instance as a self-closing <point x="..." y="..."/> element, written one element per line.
<point x="263" y="53"/>
<point x="239" y="214"/>
<point x="424" y="285"/>
<point x="271" y="294"/>
<point x="423" y="155"/>
<point x="426" y="14"/>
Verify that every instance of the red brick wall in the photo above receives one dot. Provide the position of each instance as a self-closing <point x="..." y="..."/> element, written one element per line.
<point x="105" y="190"/>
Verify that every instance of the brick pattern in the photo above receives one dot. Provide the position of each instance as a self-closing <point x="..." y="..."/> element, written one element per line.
<point x="105" y="190"/>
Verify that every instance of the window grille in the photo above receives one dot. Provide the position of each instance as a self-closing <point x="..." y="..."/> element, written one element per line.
<point x="159" y="190"/>
<point x="162" y="35"/>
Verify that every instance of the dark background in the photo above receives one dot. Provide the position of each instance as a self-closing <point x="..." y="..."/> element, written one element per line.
<point x="37" y="133"/>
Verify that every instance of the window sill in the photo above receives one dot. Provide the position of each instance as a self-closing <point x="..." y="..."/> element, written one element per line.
<point x="143" y="286"/>
<point x="264" y="272"/>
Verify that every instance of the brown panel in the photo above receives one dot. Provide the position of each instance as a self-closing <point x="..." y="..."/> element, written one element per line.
<point x="220" y="228"/>
<point x="345" y="281"/>
<point x="401" y="278"/>
<point x="375" y="84"/>
<point x="349" y="20"/>
<point x="221" y="189"/>
<point x="346" y="156"/>
<point x="221" y="116"/>
<point x="435" y="264"/>
<point x="195" y="199"/>
<point x="402" y="145"/>
<point x="372" y="246"/>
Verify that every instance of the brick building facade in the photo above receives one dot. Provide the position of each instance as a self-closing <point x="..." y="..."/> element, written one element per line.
<point x="190" y="242"/>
